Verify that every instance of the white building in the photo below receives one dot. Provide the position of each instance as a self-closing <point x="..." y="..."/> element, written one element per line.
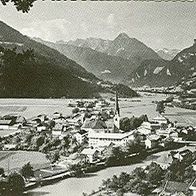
<point x="160" y="120"/>
<point x="57" y="130"/>
<point x="152" y="141"/>
<point x="102" y="138"/>
<point x="41" y="128"/>
<point x="145" y="128"/>
<point x="91" y="154"/>
<point x="81" y="135"/>
<point x="5" y="124"/>
<point x="9" y="147"/>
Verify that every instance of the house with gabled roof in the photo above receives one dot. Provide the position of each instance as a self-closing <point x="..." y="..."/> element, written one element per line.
<point x="152" y="141"/>
<point x="81" y="135"/>
<point x="91" y="154"/>
<point x="93" y="124"/>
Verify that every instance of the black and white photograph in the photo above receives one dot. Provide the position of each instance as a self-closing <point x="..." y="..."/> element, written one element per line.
<point x="97" y="98"/>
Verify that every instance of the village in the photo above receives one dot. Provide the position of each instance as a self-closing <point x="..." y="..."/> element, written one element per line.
<point x="94" y="137"/>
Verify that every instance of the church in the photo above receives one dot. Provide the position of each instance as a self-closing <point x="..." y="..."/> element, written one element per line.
<point x="104" y="137"/>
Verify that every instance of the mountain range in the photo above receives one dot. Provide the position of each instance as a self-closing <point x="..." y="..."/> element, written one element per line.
<point x="31" y="69"/>
<point x="163" y="72"/>
<point x="129" y="60"/>
<point x="111" y="60"/>
<point x="86" y="67"/>
<point x="167" y="54"/>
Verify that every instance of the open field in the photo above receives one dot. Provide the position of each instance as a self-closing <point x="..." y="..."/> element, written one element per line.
<point x="128" y="107"/>
<point x="14" y="160"/>
<point x="33" y="107"/>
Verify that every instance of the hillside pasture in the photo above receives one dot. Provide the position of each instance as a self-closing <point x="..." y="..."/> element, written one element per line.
<point x="14" y="160"/>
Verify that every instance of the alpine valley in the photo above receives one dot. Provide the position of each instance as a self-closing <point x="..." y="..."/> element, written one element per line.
<point x="31" y="69"/>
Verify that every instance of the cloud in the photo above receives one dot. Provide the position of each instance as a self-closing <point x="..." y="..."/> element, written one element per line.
<point x="111" y="21"/>
<point x="62" y="29"/>
<point x="50" y="30"/>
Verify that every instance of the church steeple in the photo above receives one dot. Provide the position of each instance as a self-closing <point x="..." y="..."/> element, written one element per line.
<point x="117" y="109"/>
<point x="117" y="115"/>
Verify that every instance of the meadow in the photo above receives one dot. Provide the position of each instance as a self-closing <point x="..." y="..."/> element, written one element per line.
<point x="128" y="108"/>
<point x="14" y="160"/>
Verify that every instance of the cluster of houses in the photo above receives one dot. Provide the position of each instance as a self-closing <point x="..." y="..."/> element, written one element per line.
<point x="87" y="125"/>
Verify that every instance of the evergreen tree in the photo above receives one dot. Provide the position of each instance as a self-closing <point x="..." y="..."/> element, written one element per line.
<point x="160" y="107"/>
<point x="27" y="170"/>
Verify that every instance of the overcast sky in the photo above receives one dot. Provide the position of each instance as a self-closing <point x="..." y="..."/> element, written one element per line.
<point x="158" y="25"/>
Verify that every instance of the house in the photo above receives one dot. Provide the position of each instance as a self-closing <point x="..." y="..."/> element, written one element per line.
<point x="91" y="154"/>
<point x="160" y="119"/>
<point x="173" y="188"/>
<point x="182" y="154"/>
<point x="75" y="120"/>
<point x="6" y="124"/>
<point x="60" y="120"/>
<point x="9" y="147"/>
<point x="81" y="135"/>
<point x="33" y="122"/>
<point x="79" y="117"/>
<point x="145" y="128"/>
<point x="152" y="141"/>
<point x="100" y="138"/>
<point x="57" y="115"/>
<point x="100" y="104"/>
<point x="41" y="128"/>
<point x="90" y="124"/>
<point x="174" y="135"/>
<point x="57" y="129"/>
<point x="42" y="117"/>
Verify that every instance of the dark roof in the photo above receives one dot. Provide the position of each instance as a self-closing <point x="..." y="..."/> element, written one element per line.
<point x="94" y="124"/>
<point x="82" y="132"/>
<point x="5" y="122"/>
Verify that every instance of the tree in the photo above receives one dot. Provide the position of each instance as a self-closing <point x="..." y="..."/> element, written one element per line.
<point x="39" y="141"/>
<point x="160" y="107"/>
<point x="27" y="170"/>
<point x="53" y="156"/>
<point x="125" y="124"/>
<point x="75" y="110"/>
<point x="16" y="183"/>
<point x="123" y="179"/>
<point x="1" y="171"/>
<point x="21" y="5"/>
<point x="155" y="173"/>
<point x="77" y="169"/>
<point x="138" y="173"/>
<point x="117" y="156"/>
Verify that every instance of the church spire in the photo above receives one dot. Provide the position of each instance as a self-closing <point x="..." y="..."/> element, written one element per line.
<point x="117" y="109"/>
<point x="117" y="115"/>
